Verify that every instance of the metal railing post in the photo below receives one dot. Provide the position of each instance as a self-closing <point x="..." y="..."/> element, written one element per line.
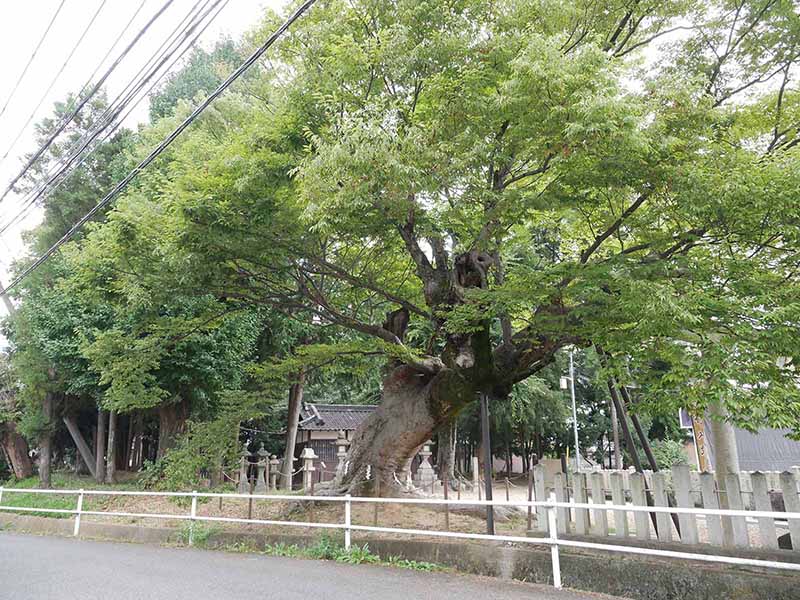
<point x="192" y="516"/>
<point x="347" y="504"/>
<point x="78" y="509"/>
<point x="554" y="558"/>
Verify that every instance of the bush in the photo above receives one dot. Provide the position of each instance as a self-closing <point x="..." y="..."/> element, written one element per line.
<point x="669" y="453"/>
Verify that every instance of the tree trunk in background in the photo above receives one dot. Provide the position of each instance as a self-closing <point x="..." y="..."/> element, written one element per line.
<point x="85" y="454"/>
<point x="726" y="458"/>
<point x="16" y="450"/>
<point x="111" y="460"/>
<point x="615" y="437"/>
<point x="100" y="447"/>
<point x="292" y="420"/>
<point x="171" y="423"/>
<point x="46" y="441"/>
<point x="129" y="444"/>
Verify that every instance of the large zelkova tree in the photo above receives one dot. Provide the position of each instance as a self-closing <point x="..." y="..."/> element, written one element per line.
<point x="472" y="186"/>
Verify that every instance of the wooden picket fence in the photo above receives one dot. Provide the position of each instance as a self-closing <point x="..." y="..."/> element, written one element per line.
<point x="678" y="487"/>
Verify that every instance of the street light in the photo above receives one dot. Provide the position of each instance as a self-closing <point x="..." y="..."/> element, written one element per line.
<point x="571" y="380"/>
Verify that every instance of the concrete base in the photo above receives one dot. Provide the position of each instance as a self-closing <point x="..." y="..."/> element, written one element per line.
<point x="629" y="576"/>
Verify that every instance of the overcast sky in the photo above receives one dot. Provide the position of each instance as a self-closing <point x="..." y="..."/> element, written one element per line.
<point x="22" y="24"/>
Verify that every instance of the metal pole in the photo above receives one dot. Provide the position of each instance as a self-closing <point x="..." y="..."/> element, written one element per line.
<point x="347" y="504"/>
<point x="192" y="515"/>
<point x="554" y="557"/>
<point x="574" y="411"/>
<point x="79" y="508"/>
<point x="487" y="461"/>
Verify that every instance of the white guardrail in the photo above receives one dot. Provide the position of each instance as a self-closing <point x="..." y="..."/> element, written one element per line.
<point x="550" y="506"/>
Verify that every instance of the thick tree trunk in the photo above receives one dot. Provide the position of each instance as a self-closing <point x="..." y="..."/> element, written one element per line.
<point x="171" y="423"/>
<point x="446" y="454"/>
<point x="100" y="447"/>
<point x="292" y="421"/>
<point x="414" y="406"/>
<point x="111" y="460"/>
<point x="16" y="450"/>
<point x="46" y="441"/>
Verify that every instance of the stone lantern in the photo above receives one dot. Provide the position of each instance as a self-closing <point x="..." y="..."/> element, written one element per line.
<point x="341" y="452"/>
<point x="273" y="472"/>
<point x="244" y="468"/>
<point x="308" y="457"/>
<point x="425" y="474"/>
<point x="262" y="466"/>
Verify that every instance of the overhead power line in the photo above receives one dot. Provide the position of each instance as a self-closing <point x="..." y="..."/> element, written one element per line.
<point x="53" y="81"/>
<point x="68" y="118"/>
<point x="111" y="196"/>
<point x="58" y="172"/>
<point x="33" y="56"/>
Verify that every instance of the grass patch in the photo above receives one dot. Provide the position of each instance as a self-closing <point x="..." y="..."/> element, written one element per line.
<point x="198" y="532"/>
<point x="331" y="548"/>
<point x="63" y="481"/>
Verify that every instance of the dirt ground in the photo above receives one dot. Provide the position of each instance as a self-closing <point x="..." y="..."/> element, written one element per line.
<point x="407" y="516"/>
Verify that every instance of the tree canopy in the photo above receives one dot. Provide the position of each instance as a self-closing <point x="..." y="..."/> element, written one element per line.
<point x="465" y="188"/>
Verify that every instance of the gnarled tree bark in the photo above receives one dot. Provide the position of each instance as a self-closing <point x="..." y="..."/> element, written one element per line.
<point x="16" y="450"/>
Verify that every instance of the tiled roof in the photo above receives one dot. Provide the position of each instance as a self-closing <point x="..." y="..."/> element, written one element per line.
<point x="332" y="417"/>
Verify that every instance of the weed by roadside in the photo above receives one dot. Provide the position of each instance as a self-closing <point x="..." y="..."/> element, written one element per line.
<point x="197" y="532"/>
<point x="330" y="548"/>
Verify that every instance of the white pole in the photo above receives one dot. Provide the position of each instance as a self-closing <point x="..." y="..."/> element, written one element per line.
<point x="574" y="411"/>
<point x="347" y="522"/>
<point x="77" y="529"/>
<point x="192" y="517"/>
<point x="554" y="558"/>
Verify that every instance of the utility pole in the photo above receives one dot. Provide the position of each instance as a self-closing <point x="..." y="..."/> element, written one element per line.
<point x="7" y="301"/>
<point x="487" y="461"/>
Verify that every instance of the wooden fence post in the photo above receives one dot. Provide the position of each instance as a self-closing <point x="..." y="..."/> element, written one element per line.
<point x="791" y="501"/>
<point x="541" y="495"/>
<point x="660" y="498"/>
<point x="581" y="514"/>
<point x="560" y="485"/>
<point x="739" y="524"/>
<point x="639" y="498"/>
<point x="766" y="525"/>
<point x="618" y="498"/>
<point x="682" y="482"/>
<point x="599" y="498"/>
<point x="713" y="523"/>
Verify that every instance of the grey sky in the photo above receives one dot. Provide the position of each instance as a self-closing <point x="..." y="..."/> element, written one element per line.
<point x="21" y="27"/>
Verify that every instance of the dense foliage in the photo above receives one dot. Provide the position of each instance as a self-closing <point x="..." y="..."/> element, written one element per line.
<point x="458" y="190"/>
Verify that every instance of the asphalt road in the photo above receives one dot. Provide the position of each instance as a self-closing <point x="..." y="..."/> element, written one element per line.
<point x="36" y="568"/>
